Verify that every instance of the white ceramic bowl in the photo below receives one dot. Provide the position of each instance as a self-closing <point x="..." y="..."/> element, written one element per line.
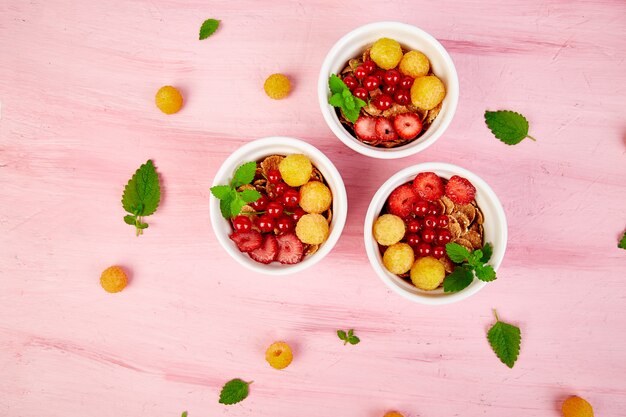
<point x="278" y="145"/>
<point x="352" y="45"/>
<point x="495" y="231"/>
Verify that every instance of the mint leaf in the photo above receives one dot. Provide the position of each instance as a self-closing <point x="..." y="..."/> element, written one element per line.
<point x="208" y="28"/>
<point x="225" y="206"/>
<point x="336" y="84"/>
<point x="220" y="191"/>
<point x="142" y="225"/>
<point x="349" y="337"/>
<point x="485" y="272"/>
<point x="184" y="414"/>
<point x="505" y="340"/>
<point x="351" y="114"/>
<point x="250" y="196"/>
<point x="359" y="103"/>
<point x="236" y="204"/>
<point x="244" y="174"/>
<point x="234" y="391"/>
<point x="353" y="340"/>
<point x="336" y="100"/>
<point x="130" y="219"/>
<point x="350" y="332"/>
<point x="342" y="335"/>
<point x="459" y="279"/>
<point x="487" y="252"/>
<point x="142" y="193"/>
<point x="508" y="126"/>
<point x="622" y="243"/>
<point x="456" y="252"/>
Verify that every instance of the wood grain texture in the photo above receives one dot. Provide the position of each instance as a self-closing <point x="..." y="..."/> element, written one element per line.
<point x="77" y="81"/>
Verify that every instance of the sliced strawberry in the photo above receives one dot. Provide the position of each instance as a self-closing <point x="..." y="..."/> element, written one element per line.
<point x="428" y="185"/>
<point x="290" y="249"/>
<point x="384" y="130"/>
<point x="268" y="250"/>
<point x="408" y="125"/>
<point x="365" y="128"/>
<point x="460" y="190"/>
<point x="401" y="201"/>
<point x="247" y="241"/>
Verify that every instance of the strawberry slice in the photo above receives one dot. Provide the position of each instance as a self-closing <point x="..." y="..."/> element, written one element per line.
<point x="290" y="249"/>
<point x="460" y="190"/>
<point x="365" y="128"/>
<point x="408" y="125"/>
<point x="384" y="130"/>
<point x="401" y="201"/>
<point x="428" y="185"/>
<point x="247" y="241"/>
<point x="266" y="253"/>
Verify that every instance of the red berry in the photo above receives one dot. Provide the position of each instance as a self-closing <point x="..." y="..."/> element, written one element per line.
<point x="379" y="73"/>
<point x="460" y="190"/>
<point x="406" y="83"/>
<point x="413" y="226"/>
<point x="389" y="89"/>
<point x="265" y="223"/>
<point x="401" y="201"/>
<point x="439" y="252"/>
<point x="429" y="221"/>
<point x="369" y="66"/>
<point x="429" y="186"/>
<point x="284" y="224"/>
<point x="442" y="221"/>
<point x="444" y="236"/>
<point x="384" y="130"/>
<point x="280" y="189"/>
<point x="402" y="97"/>
<point x="371" y="83"/>
<point x="273" y="176"/>
<point x="291" y="198"/>
<point x="297" y="213"/>
<point x="360" y="73"/>
<point x="266" y="253"/>
<point x="275" y="209"/>
<point x="421" y="208"/>
<point x="428" y="235"/>
<point x="242" y="223"/>
<point x="260" y="203"/>
<point x="408" y="125"/>
<point x="392" y="77"/>
<point x="351" y="82"/>
<point x="247" y="241"/>
<point x="413" y="239"/>
<point x="360" y="92"/>
<point x="383" y="102"/>
<point x="290" y="249"/>
<point x="424" y="249"/>
<point x="365" y="128"/>
<point x="434" y="210"/>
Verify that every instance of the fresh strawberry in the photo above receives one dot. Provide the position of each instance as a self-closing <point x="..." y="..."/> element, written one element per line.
<point x="384" y="130"/>
<point x="290" y="249"/>
<point x="247" y="241"/>
<point x="365" y="128"/>
<point x="428" y="185"/>
<point x="460" y="190"/>
<point x="402" y="200"/>
<point x="268" y="250"/>
<point x="408" y="125"/>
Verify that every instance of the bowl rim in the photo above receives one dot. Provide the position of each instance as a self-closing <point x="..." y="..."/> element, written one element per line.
<point x="340" y="202"/>
<point x="383" y="193"/>
<point x="452" y="93"/>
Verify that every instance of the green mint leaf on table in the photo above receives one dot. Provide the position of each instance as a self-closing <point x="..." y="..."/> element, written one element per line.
<point x="508" y="126"/>
<point x="459" y="279"/>
<point x="348" y="337"/>
<point x="485" y="272"/>
<point x="244" y="174"/>
<point x="622" y="242"/>
<point x="336" y="84"/>
<point x="234" y="391"/>
<point x="250" y="196"/>
<point x="487" y="252"/>
<point x="353" y="340"/>
<point x="208" y="28"/>
<point x="342" y="335"/>
<point x="184" y="414"/>
<point x="457" y="253"/>
<point x="142" y="195"/>
<point x="505" y="340"/>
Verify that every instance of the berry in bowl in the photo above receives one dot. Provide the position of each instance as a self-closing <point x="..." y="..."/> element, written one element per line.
<point x="279" y="205"/>
<point x="388" y="90"/>
<point x="435" y="233"/>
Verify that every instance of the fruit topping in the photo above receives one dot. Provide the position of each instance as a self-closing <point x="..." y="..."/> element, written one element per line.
<point x="429" y="186"/>
<point x="369" y="66"/>
<point x="365" y="128"/>
<point x="403" y="97"/>
<point x="401" y="201"/>
<point x="312" y="229"/>
<point x="290" y="198"/>
<point x="384" y="130"/>
<point x="398" y="258"/>
<point x="242" y="223"/>
<point x="428" y="235"/>
<point x="443" y="237"/>
<point x="371" y="83"/>
<point x="290" y="249"/>
<point x="460" y="190"/>
<point x="247" y="241"/>
<point x="261" y="203"/>
<point x="414" y="64"/>
<point x="266" y="253"/>
<point x="296" y="169"/>
<point x="427" y="273"/>
<point x="427" y="92"/>
<point x="413" y="239"/>
<point x="265" y="223"/>
<point x="382" y="101"/>
<point x="423" y="249"/>
<point x="361" y="92"/>
<point x="284" y="224"/>
<point x="438" y="252"/>
<point x="315" y="197"/>
<point x="274" y="209"/>
<point x="421" y="207"/>
<point x="351" y="82"/>
<point x="388" y="229"/>
<point x="360" y="73"/>
<point x="406" y="83"/>
<point x="273" y="176"/>
<point x="386" y="53"/>
<point x="408" y="125"/>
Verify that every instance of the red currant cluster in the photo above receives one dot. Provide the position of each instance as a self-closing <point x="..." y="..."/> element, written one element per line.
<point x="427" y="230"/>
<point x="392" y="86"/>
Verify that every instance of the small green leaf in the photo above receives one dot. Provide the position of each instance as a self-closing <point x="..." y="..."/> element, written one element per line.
<point x="456" y="252"/>
<point x="208" y="28"/>
<point x="475" y="257"/>
<point x="485" y="272"/>
<point x="622" y="243"/>
<point x="459" y="279"/>
<point x="234" y="391"/>
<point x="142" y="193"/>
<point x="244" y="174"/>
<point x="129" y="219"/>
<point x="184" y="414"/>
<point x="349" y="102"/>
<point x="250" y="196"/>
<point x="487" y="252"/>
<point x="350" y="332"/>
<point x="508" y="126"/>
<point x="336" y="84"/>
<point x="505" y="340"/>
<point x="220" y="191"/>
<point x="351" y="114"/>
<point x="359" y="103"/>
<point x="353" y="340"/>
<point x="236" y="205"/>
<point x="342" y="335"/>
<point x="336" y="100"/>
<point x="225" y="206"/>
<point x="142" y="226"/>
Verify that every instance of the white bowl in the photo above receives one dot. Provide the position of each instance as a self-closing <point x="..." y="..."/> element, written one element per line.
<point x="352" y="45"/>
<point x="495" y="231"/>
<point x="279" y="145"/>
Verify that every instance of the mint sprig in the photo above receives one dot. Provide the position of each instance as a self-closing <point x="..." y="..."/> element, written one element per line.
<point x="231" y="200"/>
<point x="234" y="391"/>
<point x="342" y="97"/>
<point x="208" y="28"/>
<point x="184" y="414"/>
<point x="472" y="264"/>
<point x="622" y="242"/>
<point x="505" y="340"/>
<point x="348" y="337"/>
<point x="141" y="196"/>
<point x="508" y="126"/>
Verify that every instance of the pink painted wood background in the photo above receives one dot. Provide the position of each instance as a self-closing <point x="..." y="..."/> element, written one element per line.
<point x="77" y="81"/>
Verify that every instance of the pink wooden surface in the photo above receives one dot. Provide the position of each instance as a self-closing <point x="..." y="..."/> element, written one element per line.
<point x="77" y="80"/>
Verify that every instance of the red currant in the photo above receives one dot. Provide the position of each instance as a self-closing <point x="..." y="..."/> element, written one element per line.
<point x="430" y="221"/>
<point x="428" y="235"/>
<point x="389" y="89"/>
<point x="280" y="189"/>
<point x="369" y="66"/>
<point x="273" y="176"/>
<point x="402" y="97"/>
<point x="413" y="239"/>
<point x="260" y="203"/>
<point x="406" y="83"/>
<point x="242" y="223"/>
<point x="382" y="102"/>
<point x="284" y="224"/>
<point x="265" y="223"/>
<point x="297" y="213"/>
<point x="291" y="198"/>
<point x="439" y="251"/>
<point x="424" y="249"/>
<point x="361" y="93"/>
<point x="442" y="221"/>
<point x="392" y="77"/>
<point x="360" y="72"/>
<point x="379" y="73"/>
<point x="351" y="82"/>
<point x="444" y="236"/>
<point x="275" y="209"/>
<point x="371" y="83"/>
<point x="434" y="209"/>
<point x="421" y="208"/>
<point x="414" y="226"/>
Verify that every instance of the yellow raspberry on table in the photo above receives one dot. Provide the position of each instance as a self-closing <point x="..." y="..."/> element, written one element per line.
<point x="576" y="407"/>
<point x="393" y="414"/>
<point x="168" y="99"/>
<point x="113" y="279"/>
<point x="279" y="355"/>
<point x="277" y="86"/>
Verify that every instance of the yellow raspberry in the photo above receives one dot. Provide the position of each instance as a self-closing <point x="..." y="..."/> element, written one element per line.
<point x="312" y="229"/>
<point x="398" y="258"/>
<point x="427" y="273"/>
<point x="386" y="53"/>
<point x="315" y="197"/>
<point x="576" y="407"/>
<point x="277" y="86"/>
<point x="427" y="92"/>
<point x="389" y="229"/>
<point x="393" y="414"/>
<point x="168" y="99"/>
<point x="414" y="64"/>
<point x="295" y="169"/>
<point x="279" y="355"/>
<point x="113" y="279"/>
